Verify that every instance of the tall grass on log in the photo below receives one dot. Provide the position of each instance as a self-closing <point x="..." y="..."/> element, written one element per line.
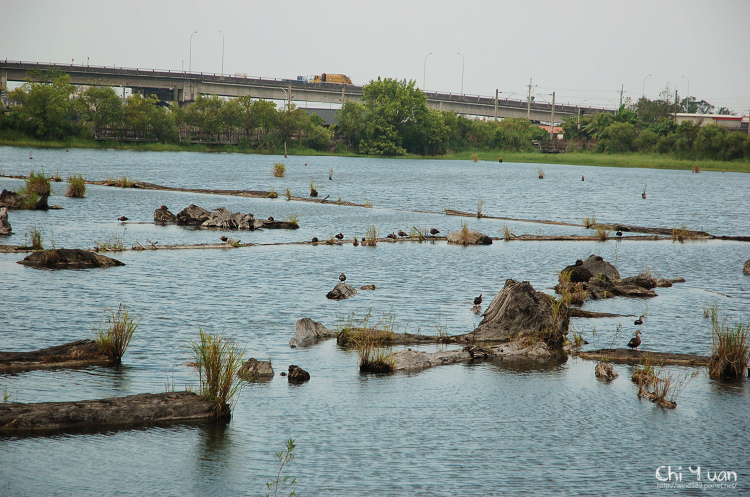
<point x="371" y="236"/>
<point x="602" y="232"/>
<point x="480" y="204"/>
<point x="665" y="386"/>
<point x="508" y="233"/>
<point x="35" y="238"/>
<point x="219" y="359"/>
<point x="731" y="348"/>
<point x="113" y="243"/>
<point x="588" y="222"/>
<point x="279" y="170"/>
<point x="123" y="182"/>
<point x="76" y="187"/>
<point x="115" y="335"/>
<point x="36" y="184"/>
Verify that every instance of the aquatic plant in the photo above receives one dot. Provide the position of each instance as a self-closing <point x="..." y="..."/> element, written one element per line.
<point x="696" y="169"/>
<point x="123" y="182"/>
<point x="665" y="385"/>
<point x="76" y="187"/>
<point x="508" y="233"/>
<point x="273" y="194"/>
<point x="480" y="203"/>
<point x="113" y="243"/>
<point x="293" y="219"/>
<point x="540" y="172"/>
<point x="36" y="184"/>
<point x="588" y="222"/>
<point x="419" y="234"/>
<point x="115" y="335"/>
<point x="234" y="243"/>
<point x="313" y="189"/>
<point x="371" y="236"/>
<point x="35" y="238"/>
<point x="288" y="194"/>
<point x="731" y="347"/>
<point x="603" y="231"/>
<point x="218" y="359"/>
<point x="279" y="170"/>
<point x="474" y="157"/>
<point x="285" y="457"/>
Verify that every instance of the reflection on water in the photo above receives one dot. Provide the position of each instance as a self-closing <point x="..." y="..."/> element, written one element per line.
<point x="487" y="428"/>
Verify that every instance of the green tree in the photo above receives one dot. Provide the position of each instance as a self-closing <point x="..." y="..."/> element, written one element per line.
<point x="291" y="122"/>
<point x="735" y="144"/>
<point x="618" y="137"/>
<point x="709" y="142"/>
<point x="44" y="109"/>
<point x="101" y="106"/>
<point x="351" y="123"/>
<point x="205" y="113"/>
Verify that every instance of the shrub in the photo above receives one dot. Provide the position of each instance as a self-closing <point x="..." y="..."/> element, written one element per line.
<point x="279" y="169"/>
<point x="35" y="238"/>
<point x="114" y="337"/>
<point x="37" y="184"/>
<point x="76" y="187"/>
<point x="218" y="359"/>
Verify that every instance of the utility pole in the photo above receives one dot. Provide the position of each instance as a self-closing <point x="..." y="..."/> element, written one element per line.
<point x="528" y="102"/>
<point x="622" y="89"/>
<point x="552" y="120"/>
<point x="496" y="94"/>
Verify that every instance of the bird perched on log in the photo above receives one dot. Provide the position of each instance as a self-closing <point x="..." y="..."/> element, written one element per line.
<point x="315" y="239"/>
<point x="478" y="300"/>
<point x="270" y="218"/>
<point x="619" y="233"/>
<point x="639" y="321"/>
<point x="340" y="236"/>
<point x="355" y="242"/>
<point x="342" y="277"/>
<point x="223" y="238"/>
<point x="122" y="218"/>
<point x="434" y="231"/>
<point x="635" y="341"/>
<point x="392" y="236"/>
<point x="401" y="233"/>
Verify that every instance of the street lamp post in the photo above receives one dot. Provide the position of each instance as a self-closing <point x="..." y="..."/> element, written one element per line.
<point x="687" y="106"/>
<point x="222" y="52"/>
<point x="463" y="65"/>
<point x="424" y="71"/>
<point x="643" y="92"/>
<point x="190" y="60"/>
<point x="578" y="123"/>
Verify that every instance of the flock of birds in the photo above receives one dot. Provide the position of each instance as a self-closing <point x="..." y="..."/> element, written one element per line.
<point x="392" y="236"/>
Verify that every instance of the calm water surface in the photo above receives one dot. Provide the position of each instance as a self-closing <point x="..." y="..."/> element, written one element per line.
<point x="500" y="428"/>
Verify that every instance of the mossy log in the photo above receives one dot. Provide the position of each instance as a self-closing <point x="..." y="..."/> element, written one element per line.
<point x="134" y="410"/>
<point x="80" y="353"/>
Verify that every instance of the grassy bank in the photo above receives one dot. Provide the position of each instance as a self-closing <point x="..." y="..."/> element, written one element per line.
<point x="652" y="161"/>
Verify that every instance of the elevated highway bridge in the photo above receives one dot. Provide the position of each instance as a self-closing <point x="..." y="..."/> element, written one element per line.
<point x="183" y="87"/>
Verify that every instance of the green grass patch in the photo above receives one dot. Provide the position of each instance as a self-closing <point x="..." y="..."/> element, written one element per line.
<point x="115" y="335"/>
<point x="76" y="187"/>
<point x="218" y="359"/>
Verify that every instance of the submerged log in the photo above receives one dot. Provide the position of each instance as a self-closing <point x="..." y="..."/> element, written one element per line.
<point x="76" y="354"/>
<point x="133" y="410"/>
<point x="626" y="356"/>
<point x="68" y="259"/>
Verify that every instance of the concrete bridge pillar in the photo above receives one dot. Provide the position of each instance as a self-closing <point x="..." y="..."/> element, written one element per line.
<point x="4" y="79"/>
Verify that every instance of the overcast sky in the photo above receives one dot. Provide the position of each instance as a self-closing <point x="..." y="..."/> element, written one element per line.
<point x="584" y="50"/>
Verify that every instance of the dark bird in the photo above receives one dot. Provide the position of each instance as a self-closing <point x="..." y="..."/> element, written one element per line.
<point x="434" y="231"/>
<point x="579" y="262"/>
<point x="583" y="178"/>
<point x="340" y="236"/>
<point x="644" y="192"/>
<point x="342" y="277"/>
<point x="402" y="233"/>
<point x="355" y="242"/>
<point x="635" y="341"/>
<point x="270" y="218"/>
<point x="223" y="238"/>
<point x="478" y="300"/>
<point x="639" y="320"/>
<point x="392" y="236"/>
<point x="122" y="218"/>
<point x="315" y="239"/>
<point x="619" y="233"/>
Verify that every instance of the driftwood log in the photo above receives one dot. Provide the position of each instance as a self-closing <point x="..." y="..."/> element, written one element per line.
<point x="76" y="354"/>
<point x="141" y="409"/>
<point x="627" y="356"/>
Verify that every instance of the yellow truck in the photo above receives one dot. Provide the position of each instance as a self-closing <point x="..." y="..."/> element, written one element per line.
<point x="332" y="78"/>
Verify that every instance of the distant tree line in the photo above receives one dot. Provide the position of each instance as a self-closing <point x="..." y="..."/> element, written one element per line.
<point x="391" y="119"/>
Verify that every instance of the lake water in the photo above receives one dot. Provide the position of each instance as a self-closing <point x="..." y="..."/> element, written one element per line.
<point x="502" y="428"/>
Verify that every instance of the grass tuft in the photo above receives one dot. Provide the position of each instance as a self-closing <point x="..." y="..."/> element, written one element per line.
<point x="508" y="234"/>
<point x="371" y="236"/>
<point x="540" y="173"/>
<point x="603" y="231"/>
<point x="76" y="187"/>
<point x="36" y="184"/>
<point x="35" y="238"/>
<point x="288" y="194"/>
<point x="313" y="189"/>
<point x="115" y="335"/>
<point x="279" y="170"/>
<point x="731" y="347"/>
<point x="218" y="359"/>
<point x="273" y="194"/>
<point x="588" y="222"/>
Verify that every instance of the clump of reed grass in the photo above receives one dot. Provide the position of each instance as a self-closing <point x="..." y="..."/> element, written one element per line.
<point x="113" y="243"/>
<point x="293" y="219"/>
<point x="731" y="347"/>
<point x="123" y="182"/>
<point x="418" y="234"/>
<point x="37" y="185"/>
<point x="665" y="386"/>
<point x="480" y="204"/>
<point x="371" y="236"/>
<point x="465" y="233"/>
<point x="313" y="189"/>
<point x="540" y="173"/>
<point x="681" y="234"/>
<point x="234" y="243"/>
<point x="76" y="187"/>
<point x="115" y="335"/>
<point x="603" y="231"/>
<point x="474" y="158"/>
<point x="696" y="169"/>
<point x="373" y="358"/>
<point x="218" y="359"/>
<point x="588" y="222"/>
<point x="279" y="170"/>
<point x="35" y="238"/>
<point x="273" y="194"/>
<point x="508" y="233"/>
<point x="288" y="194"/>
